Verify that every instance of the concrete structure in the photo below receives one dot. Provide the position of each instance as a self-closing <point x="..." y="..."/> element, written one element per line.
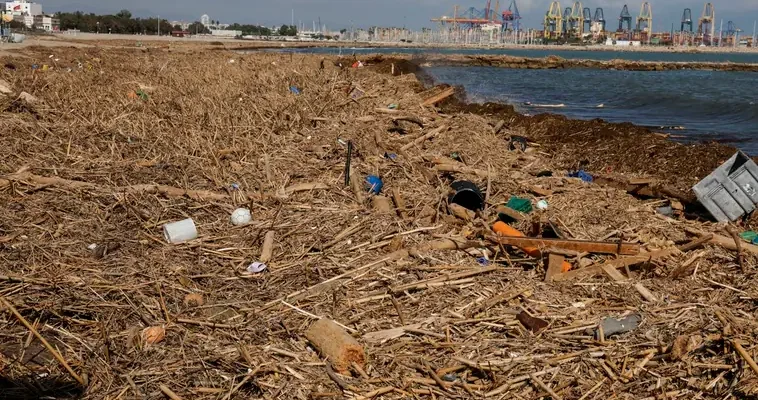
<point x="225" y="33"/>
<point x="21" y="7"/>
<point x="47" y="23"/>
<point x="27" y="20"/>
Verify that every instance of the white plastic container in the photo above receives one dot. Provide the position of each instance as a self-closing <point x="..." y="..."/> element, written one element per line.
<point x="180" y="231"/>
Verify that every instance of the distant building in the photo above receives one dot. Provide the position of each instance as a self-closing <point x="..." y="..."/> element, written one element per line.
<point x="183" y="24"/>
<point x="205" y="19"/>
<point x="47" y="23"/>
<point x="27" y="20"/>
<point x="21" y="7"/>
<point x="225" y="33"/>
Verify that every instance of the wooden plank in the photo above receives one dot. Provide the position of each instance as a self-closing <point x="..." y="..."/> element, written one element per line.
<point x="554" y="264"/>
<point x="439" y="97"/>
<point x="627" y="249"/>
<point x="613" y="273"/>
<point x="618" y="263"/>
<point x="511" y="213"/>
<point x="646" y="294"/>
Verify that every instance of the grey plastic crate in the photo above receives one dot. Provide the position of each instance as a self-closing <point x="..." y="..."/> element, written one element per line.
<point x="731" y="190"/>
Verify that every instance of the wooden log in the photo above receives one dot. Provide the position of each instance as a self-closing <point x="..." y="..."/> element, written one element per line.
<point x="567" y="244"/>
<point x="267" y="251"/>
<point x="336" y="345"/>
<point x="696" y="243"/>
<point x="356" y="184"/>
<point x="725" y="242"/>
<point x="424" y="138"/>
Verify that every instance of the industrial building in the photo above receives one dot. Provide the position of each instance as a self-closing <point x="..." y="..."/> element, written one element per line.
<point x="20" y="7"/>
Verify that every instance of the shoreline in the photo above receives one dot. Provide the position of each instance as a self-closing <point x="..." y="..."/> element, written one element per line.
<point x="673" y="164"/>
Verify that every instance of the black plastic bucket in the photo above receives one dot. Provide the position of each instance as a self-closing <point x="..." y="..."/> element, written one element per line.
<point x="467" y="195"/>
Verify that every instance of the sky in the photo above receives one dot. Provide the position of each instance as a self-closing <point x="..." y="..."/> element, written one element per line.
<point x="414" y="14"/>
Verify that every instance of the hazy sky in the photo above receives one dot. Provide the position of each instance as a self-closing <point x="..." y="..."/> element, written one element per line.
<point x="412" y="13"/>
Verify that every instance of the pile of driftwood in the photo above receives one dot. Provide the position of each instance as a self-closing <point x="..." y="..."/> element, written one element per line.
<point x="400" y="294"/>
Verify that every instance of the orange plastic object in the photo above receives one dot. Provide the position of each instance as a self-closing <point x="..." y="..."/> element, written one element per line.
<point x="501" y="228"/>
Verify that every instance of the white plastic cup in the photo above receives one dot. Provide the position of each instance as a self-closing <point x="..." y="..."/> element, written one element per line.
<point x="180" y="231"/>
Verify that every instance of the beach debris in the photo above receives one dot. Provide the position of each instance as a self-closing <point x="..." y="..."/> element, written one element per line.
<point x="336" y="345"/>
<point x="506" y="232"/>
<point x="555" y="266"/>
<point x="5" y="87"/>
<point x="685" y="344"/>
<point x="614" y="326"/>
<point x="731" y="190"/>
<point x="381" y="204"/>
<point x="153" y="334"/>
<point x="449" y="377"/>
<point x="294" y="90"/>
<point x="393" y="106"/>
<point x="256" y="267"/>
<point x="356" y="93"/>
<point x="28" y="97"/>
<point x="374" y="184"/>
<point x="102" y="250"/>
<point x="667" y="211"/>
<point x="517" y="143"/>
<point x="466" y="194"/>
<point x="180" y="231"/>
<point x="390" y="156"/>
<point x="581" y="174"/>
<point x="358" y="64"/>
<point x="241" y="216"/>
<point x="513" y="237"/>
<point x="750" y="237"/>
<point x="348" y="159"/>
<point x="519" y="204"/>
<point x="542" y="205"/>
<point x="534" y="324"/>
<point x="438" y="97"/>
<point x="461" y="212"/>
<point x="267" y="250"/>
<point x="545" y="173"/>
<point x="507" y="214"/>
<point x="193" y="300"/>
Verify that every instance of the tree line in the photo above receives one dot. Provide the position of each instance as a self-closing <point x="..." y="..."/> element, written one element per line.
<point x="123" y="22"/>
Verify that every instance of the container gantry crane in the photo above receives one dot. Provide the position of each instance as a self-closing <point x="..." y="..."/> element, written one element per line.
<point x="705" y="25"/>
<point x="625" y="17"/>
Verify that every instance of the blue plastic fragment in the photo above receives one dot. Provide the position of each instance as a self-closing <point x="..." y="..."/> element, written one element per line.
<point x="374" y="184"/>
<point x="294" y="90"/>
<point x="581" y="174"/>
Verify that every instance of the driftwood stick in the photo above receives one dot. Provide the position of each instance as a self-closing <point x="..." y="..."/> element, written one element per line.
<point x="424" y="138"/>
<point x="44" y="342"/>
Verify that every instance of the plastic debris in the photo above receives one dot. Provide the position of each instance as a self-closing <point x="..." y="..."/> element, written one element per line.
<point x="256" y="267"/>
<point x="581" y="174"/>
<point x="519" y="204"/>
<point x="180" y="231"/>
<point x="483" y="261"/>
<point x="356" y="94"/>
<point x="517" y="143"/>
<point x="391" y="156"/>
<point x="294" y="90"/>
<point x="450" y="377"/>
<point x="374" y="184"/>
<point x="392" y="106"/>
<point x="467" y="194"/>
<point x="613" y="326"/>
<point x="542" y="205"/>
<point x="241" y="216"/>
<point x="749" y="236"/>
<point x="667" y="211"/>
